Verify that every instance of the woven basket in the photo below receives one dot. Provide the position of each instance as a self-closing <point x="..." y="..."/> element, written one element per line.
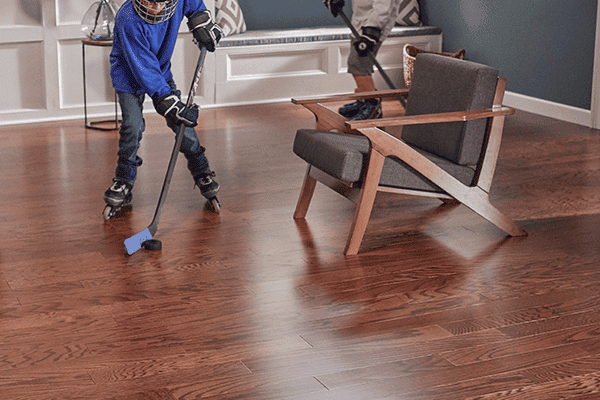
<point x="410" y="54"/>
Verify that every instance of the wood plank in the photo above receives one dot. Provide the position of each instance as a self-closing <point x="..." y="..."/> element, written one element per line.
<point x="254" y="304"/>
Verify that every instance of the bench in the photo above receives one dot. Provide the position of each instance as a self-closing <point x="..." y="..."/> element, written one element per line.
<point x="275" y="65"/>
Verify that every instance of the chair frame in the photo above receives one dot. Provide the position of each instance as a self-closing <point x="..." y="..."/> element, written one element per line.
<point x="383" y="144"/>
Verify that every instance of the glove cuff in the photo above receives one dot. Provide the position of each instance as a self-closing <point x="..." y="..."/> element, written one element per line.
<point x="165" y="104"/>
<point x="200" y="19"/>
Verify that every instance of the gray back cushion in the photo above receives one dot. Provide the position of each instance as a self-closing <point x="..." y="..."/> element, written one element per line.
<point x="444" y="84"/>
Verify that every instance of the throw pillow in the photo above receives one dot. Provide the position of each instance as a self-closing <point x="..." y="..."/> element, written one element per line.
<point x="230" y="17"/>
<point x="409" y="13"/>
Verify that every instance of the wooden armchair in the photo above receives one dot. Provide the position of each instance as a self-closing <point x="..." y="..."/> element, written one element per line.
<point x="448" y="148"/>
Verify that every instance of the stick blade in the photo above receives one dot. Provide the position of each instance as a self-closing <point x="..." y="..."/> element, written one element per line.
<point x="134" y="243"/>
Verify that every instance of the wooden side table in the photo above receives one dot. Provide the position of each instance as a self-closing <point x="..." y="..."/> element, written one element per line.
<point x="94" y="125"/>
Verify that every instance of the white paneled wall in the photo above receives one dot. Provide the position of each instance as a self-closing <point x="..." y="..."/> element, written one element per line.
<point x="276" y="72"/>
<point x="41" y="63"/>
<point x="42" y="73"/>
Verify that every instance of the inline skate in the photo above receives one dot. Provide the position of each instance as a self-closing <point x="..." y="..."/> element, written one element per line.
<point x="117" y="196"/>
<point x="209" y="189"/>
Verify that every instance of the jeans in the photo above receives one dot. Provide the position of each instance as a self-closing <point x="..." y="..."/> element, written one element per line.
<point x="131" y="132"/>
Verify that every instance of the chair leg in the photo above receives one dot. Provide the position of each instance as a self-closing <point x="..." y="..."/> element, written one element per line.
<point x="306" y="193"/>
<point x="483" y="207"/>
<point x="503" y="222"/>
<point x="365" y="203"/>
<point x="450" y="201"/>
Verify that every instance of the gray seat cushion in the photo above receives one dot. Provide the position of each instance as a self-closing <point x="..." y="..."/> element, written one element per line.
<point x="342" y="156"/>
<point x="444" y="84"/>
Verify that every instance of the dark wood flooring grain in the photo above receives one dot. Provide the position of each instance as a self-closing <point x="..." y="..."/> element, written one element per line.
<point x="250" y="304"/>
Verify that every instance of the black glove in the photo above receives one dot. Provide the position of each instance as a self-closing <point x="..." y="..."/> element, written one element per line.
<point x="367" y="41"/>
<point x="335" y="6"/>
<point x="174" y="111"/>
<point x="206" y="32"/>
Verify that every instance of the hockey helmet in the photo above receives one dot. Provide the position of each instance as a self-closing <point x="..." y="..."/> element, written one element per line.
<point x="155" y="11"/>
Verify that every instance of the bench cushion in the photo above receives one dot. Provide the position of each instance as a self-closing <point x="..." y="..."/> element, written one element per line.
<point x="318" y="34"/>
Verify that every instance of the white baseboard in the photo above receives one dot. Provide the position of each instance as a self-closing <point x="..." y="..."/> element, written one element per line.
<point x="550" y="109"/>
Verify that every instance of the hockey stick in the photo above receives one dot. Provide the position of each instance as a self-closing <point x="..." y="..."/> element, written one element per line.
<point x="370" y="54"/>
<point x="134" y="243"/>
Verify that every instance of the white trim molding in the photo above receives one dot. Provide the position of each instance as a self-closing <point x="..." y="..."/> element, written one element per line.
<point x="550" y="109"/>
<point x="595" y="113"/>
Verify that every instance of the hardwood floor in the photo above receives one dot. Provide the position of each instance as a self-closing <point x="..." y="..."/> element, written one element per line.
<point x="252" y="304"/>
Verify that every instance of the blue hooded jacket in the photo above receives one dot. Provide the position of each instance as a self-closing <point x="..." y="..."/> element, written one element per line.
<point x="140" y="61"/>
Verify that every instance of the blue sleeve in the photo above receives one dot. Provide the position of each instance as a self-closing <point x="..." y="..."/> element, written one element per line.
<point x="143" y="64"/>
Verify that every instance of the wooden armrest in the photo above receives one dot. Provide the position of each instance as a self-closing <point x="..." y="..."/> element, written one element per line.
<point x="352" y="96"/>
<point x="431" y="118"/>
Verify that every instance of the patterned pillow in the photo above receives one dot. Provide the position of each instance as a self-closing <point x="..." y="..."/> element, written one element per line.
<point x="409" y="13"/>
<point x="229" y="17"/>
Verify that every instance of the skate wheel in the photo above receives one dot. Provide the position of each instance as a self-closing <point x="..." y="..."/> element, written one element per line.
<point x="152" y="244"/>
<point x="107" y="213"/>
<point x="215" y="205"/>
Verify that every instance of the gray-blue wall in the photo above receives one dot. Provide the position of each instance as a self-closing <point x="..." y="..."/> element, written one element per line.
<point x="288" y="14"/>
<point x="545" y="48"/>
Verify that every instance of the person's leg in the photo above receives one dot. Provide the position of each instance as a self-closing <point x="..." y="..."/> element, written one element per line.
<point x="364" y="83"/>
<point x="197" y="162"/>
<point x="370" y="108"/>
<point x="130" y="136"/>
<point x="361" y="69"/>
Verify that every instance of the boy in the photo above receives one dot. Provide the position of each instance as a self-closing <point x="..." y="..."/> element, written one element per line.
<point x="374" y="19"/>
<point x="144" y="39"/>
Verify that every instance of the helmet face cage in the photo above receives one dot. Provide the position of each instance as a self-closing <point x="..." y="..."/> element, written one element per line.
<point x="141" y="8"/>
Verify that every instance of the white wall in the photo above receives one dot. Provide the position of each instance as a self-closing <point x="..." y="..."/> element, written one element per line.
<point x="41" y="63"/>
<point x="41" y="57"/>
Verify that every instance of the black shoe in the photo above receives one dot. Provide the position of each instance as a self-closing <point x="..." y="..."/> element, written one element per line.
<point x="350" y="110"/>
<point x="370" y="110"/>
